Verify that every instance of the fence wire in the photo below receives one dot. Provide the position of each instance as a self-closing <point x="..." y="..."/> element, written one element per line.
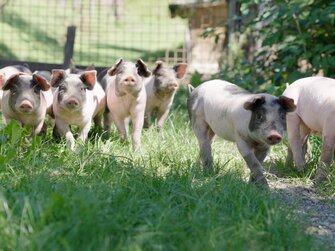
<point x="105" y="30"/>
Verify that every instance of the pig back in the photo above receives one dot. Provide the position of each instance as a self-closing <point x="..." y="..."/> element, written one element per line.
<point x="313" y="96"/>
<point x="222" y="106"/>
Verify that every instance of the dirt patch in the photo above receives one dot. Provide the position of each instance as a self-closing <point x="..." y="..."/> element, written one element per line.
<point x="303" y="199"/>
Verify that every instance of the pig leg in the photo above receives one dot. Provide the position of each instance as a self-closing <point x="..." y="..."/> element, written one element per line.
<point x="97" y="121"/>
<point x="304" y="133"/>
<point x="294" y="139"/>
<point x="205" y="137"/>
<point x="327" y="156"/>
<point x="261" y="152"/>
<point x="147" y="119"/>
<point x="83" y="131"/>
<point x="64" y="129"/>
<point x="121" y="126"/>
<point x="161" y="117"/>
<point x="40" y="129"/>
<point x="107" y="122"/>
<point x="253" y="163"/>
<point x="138" y="121"/>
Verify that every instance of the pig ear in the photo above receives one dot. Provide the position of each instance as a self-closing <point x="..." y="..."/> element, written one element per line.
<point x="10" y="82"/>
<point x="180" y="69"/>
<point x="254" y="103"/>
<point x="2" y="80"/>
<point x="159" y="65"/>
<point x="89" y="78"/>
<point x="91" y="67"/>
<point x="142" y="68"/>
<point x="42" y="82"/>
<point x="58" y="76"/>
<point x="287" y="103"/>
<point x="115" y="68"/>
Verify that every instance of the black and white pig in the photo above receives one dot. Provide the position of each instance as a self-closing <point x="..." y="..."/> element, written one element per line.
<point x="253" y="121"/>
<point x="8" y="71"/>
<point x="161" y="88"/>
<point x="77" y="100"/>
<point x="126" y="98"/>
<point x="27" y="98"/>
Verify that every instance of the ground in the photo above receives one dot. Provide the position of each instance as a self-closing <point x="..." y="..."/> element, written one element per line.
<point x="305" y="201"/>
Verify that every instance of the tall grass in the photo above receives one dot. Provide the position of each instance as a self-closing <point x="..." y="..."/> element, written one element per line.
<point x="106" y="197"/>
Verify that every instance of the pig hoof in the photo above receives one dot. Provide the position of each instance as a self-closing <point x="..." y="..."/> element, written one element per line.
<point x="320" y="175"/>
<point x="259" y="181"/>
<point x="301" y="169"/>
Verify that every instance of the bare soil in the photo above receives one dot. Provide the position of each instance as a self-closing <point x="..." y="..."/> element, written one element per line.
<point x="304" y="200"/>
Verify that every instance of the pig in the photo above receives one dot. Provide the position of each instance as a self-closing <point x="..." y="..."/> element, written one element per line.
<point x="314" y="98"/>
<point x="26" y="99"/>
<point x="253" y="121"/>
<point x="44" y="74"/>
<point x="77" y="100"/>
<point x="161" y="88"/>
<point x="126" y="98"/>
<point x="8" y="71"/>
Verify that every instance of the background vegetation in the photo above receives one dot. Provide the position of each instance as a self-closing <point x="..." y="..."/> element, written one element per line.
<point x="280" y="41"/>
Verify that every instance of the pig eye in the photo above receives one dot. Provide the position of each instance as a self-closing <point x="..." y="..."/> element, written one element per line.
<point x="283" y="116"/>
<point x="259" y="116"/>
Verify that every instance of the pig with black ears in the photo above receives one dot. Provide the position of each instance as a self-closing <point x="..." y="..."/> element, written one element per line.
<point x="126" y="98"/>
<point x="78" y="100"/>
<point x="253" y="121"/>
<point x="27" y="98"/>
<point x="7" y="72"/>
<point x="161" y="88"/>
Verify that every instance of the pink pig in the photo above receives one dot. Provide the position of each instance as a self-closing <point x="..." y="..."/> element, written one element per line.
<point x="77" y="100"/>
<point x="8" y="71"/>
<point x="161" y="88"/>
<point x="314" y="98"/>
<point x="26" y="99"/>
<point x="126" y="98"/>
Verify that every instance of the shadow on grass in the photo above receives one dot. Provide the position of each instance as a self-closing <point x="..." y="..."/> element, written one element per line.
<point x="33" y="31"/>
<point x="6" y="52"/>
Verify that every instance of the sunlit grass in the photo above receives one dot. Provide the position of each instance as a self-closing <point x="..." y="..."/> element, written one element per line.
<point x="104" y="196"/>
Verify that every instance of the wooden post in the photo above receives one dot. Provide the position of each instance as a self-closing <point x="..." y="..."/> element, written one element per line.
<point x="69" y="45"/>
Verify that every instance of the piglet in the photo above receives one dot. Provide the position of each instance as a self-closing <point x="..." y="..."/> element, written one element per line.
<point x="253" y="121"/>
<point x="77" y="100"/>
<point x="7" y="72"/>
<point x="26" y="99"/>
<point x="161" y="88"/>
<point x="314" y="98"/>
<point x="126" y="98"/>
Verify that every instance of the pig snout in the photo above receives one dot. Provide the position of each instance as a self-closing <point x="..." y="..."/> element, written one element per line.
<point x="173" y="86"/>
<point x="72" y="103"/>
<point x="129" y="81"/>
<point x="25" y="106"/>
<point x="273" y="138"/>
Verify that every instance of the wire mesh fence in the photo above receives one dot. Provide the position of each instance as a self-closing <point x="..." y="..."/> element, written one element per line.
<point x="105" y="30"/>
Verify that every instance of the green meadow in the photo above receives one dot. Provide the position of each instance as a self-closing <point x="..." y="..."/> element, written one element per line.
<point x="104" y="196"/>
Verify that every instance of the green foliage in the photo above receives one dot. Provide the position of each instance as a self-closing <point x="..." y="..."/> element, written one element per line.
<point x="297" y="41"/>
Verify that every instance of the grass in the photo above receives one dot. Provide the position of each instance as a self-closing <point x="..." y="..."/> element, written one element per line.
<point x="145" y="29"/>
<point x="106" y="197"/>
